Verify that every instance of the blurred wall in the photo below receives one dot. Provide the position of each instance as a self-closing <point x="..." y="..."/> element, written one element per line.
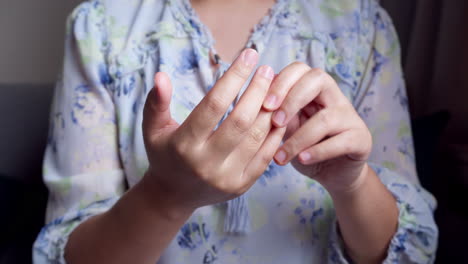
<point x="31" y="39"/>
<point x="436" y="72"/>
<point x="449" y="88"/>
<point x="434" y="37"/>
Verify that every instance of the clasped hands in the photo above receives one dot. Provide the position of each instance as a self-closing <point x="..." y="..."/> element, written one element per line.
<point x="194" y="165"/>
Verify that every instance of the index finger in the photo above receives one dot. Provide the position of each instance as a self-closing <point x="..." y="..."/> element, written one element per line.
<point x="214" y="105"/>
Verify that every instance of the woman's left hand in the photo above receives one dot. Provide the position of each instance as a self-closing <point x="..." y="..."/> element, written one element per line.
<point x="325" y="139"/>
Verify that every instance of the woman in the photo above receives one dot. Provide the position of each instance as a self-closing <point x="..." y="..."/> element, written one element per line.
<point x="195" y="183"/>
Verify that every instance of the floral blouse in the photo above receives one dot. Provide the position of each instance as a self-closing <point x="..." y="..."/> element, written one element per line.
<point x="95" y="149"/>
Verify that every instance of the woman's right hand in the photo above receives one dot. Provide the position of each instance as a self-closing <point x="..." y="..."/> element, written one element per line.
<point x="192" y="165"/>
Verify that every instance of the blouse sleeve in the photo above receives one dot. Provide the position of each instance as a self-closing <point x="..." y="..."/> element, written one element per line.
<point x="81" y="167"/>
<point x="383" y="105"/>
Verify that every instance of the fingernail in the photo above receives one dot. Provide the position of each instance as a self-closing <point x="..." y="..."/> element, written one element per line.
<point x="280" y="156"/>
<point x="249" y="57"/>
<point x="279" y="117"/>
<point x="304" y="156"/>
<point x="266" y="71"/>
<point x="270" y="101"/>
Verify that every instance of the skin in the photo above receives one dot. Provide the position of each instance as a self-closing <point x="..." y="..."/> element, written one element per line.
<point x="143" y="222"/>
<point x="328" y="141"/>
<point x="231" y="22"/>
<point x="325" y="139"/>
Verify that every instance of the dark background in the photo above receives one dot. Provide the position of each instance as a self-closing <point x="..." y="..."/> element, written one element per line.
<point x="434" y="38"/>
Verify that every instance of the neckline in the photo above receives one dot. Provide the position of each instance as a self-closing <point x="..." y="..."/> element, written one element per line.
<point x="195" y="27"/>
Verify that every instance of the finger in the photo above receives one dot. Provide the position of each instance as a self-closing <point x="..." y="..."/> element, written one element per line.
<point x="156" y="113"/>
<point x="301" y="118"/>
<point x="214" y="105"/>
<point x="264" y="155"/>
<point x="341" y="145"/>
<point x="282" y="83"/>
<point x="325" y="123"/>
<point x="314" y="85"/>
<point x="252" y="140"/>
<point x="231" y="131"/>
<point x="292" y="127"/>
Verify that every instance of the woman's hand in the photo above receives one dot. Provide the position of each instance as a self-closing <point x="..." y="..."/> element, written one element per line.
<point x="325" y="139"/>
<point x="191" y="164"/>
<point x="328" y="141"/>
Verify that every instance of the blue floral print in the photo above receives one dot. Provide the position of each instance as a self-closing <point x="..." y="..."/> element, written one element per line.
<point x="95" y="148"/>
<point x="192" y="235"/>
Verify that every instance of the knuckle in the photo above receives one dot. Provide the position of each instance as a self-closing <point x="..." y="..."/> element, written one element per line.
<point x="240" y="72"/>
<point x="191" y="130"/>
<point x="299" y="64"/>
<point x="238" y="190"/>
<point x="348" y="147"/>
<point x="232" y="187"/>
<point x="179" y="147"/>
<point x="293" y="144"/>
<point x="348" y="114"/>
<point x="257" y="135"/>
<point x="358" y="144"/>
<point x="318" y="73"/>
<point x="260" y="84"/>
<point x="345" y="103"/>
<point x="317" y="152"/>
<point x="363" y="153"/>
<point x="324" y="118"/>
<point x="205" y="174"/>
<point x="242" y="122"/>
<point x="215" y="105"/>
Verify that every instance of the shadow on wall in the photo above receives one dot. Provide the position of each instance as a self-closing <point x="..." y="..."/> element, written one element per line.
<point x="24" y="111"/>
<point x="31" y="52"/>
<point x="32" y="39"/>
<point x="435" y="43"/>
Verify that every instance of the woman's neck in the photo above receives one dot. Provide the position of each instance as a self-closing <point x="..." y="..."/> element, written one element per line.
<point x="231" y="22"/>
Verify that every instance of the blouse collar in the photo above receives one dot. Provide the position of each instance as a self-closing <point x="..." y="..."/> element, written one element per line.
<point x="281" y="14"/>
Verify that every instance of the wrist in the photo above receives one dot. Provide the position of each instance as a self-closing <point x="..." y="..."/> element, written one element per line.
<point x="367" y="216"/>
<point x="362" y="181"/>
<point x="155" y="198"/>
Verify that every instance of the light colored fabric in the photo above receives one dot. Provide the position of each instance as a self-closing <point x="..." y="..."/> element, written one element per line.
<point x="95" y="149"/>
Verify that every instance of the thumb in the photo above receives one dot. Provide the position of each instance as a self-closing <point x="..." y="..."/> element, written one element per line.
<point x="156" y="113"/>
